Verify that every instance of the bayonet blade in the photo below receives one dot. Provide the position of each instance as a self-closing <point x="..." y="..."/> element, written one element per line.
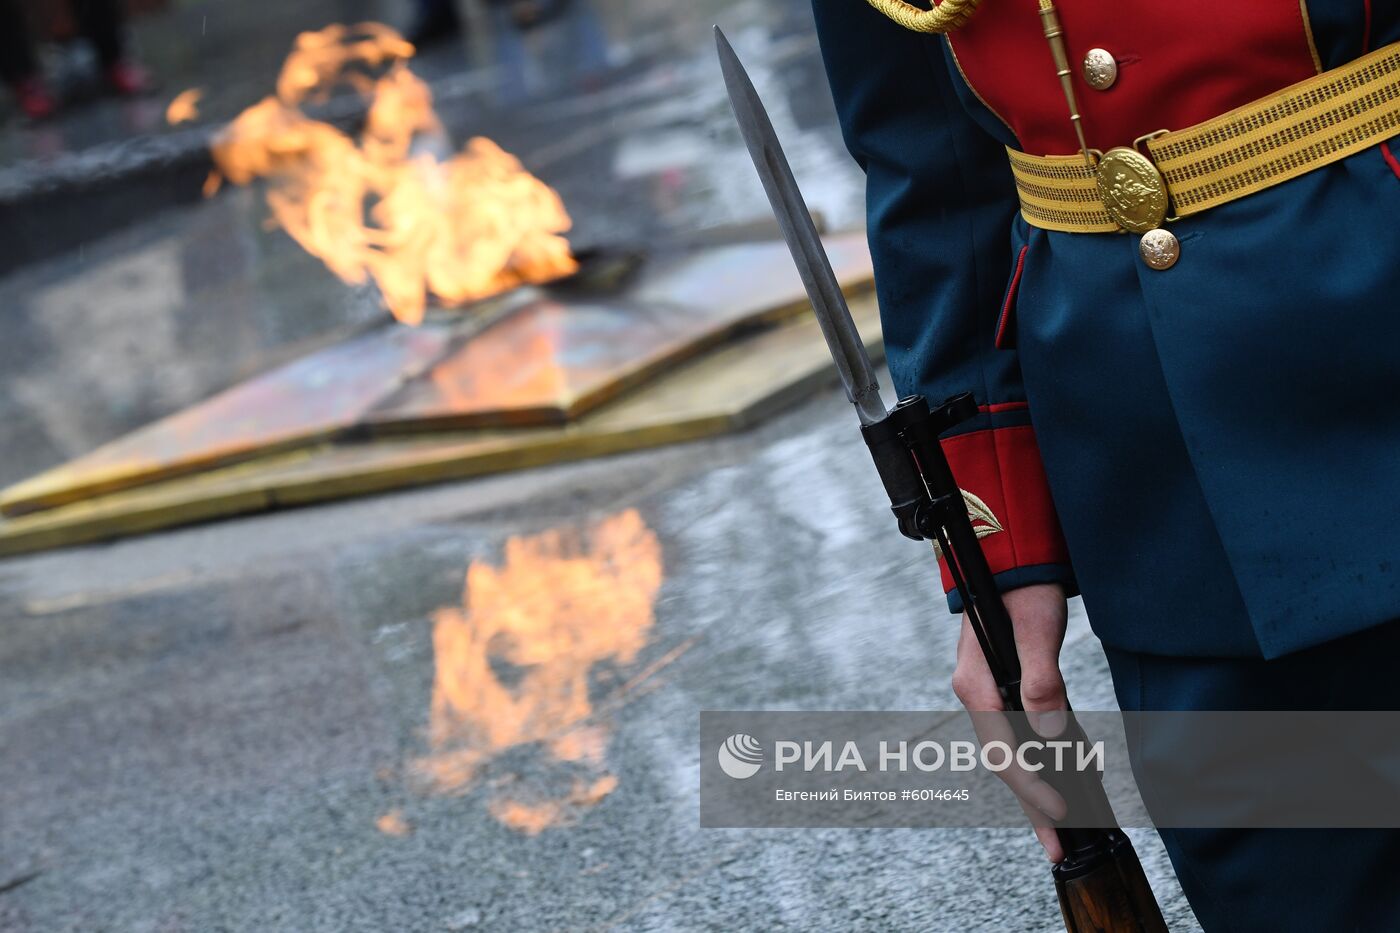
<point x="795" y="221"/>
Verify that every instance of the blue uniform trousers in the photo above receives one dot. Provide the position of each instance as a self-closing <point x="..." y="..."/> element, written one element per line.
<point x="1280" y="880"/>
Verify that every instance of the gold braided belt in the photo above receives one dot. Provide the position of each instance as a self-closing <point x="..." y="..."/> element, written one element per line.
<point x="1310" y="124"/>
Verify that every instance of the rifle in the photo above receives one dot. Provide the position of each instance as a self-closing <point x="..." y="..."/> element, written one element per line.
<point x="1100" y="883"/>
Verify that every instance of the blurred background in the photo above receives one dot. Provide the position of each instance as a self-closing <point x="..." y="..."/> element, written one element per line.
<point x="129" y="293"/>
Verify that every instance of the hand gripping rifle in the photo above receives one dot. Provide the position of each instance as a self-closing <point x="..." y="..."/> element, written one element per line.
<point x="1100" y="883"/>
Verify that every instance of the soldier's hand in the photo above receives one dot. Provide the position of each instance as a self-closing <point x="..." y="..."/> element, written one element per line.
<point x="1038" y="614"/>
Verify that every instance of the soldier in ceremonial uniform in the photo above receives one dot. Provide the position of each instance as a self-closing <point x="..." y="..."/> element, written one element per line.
<point x="1159" y="241"/>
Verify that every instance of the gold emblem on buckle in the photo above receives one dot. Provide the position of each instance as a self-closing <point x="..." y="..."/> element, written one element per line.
<point x="1132" y="189"/>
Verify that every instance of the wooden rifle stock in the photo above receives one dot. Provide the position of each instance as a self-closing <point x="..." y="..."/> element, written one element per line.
<point x="1109" y="895"/>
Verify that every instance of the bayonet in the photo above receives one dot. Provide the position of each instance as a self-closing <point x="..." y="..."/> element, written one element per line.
<point x="795" y="221"/>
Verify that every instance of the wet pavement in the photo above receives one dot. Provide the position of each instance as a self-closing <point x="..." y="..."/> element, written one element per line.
<point x="323" y="720"/>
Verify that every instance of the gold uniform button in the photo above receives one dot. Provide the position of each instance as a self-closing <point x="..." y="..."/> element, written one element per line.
<point x="1100" y="69"/>
<point x="1160" y="249"/>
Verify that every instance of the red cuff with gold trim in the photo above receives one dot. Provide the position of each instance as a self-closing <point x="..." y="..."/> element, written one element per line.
<point x="1000" y="470"/>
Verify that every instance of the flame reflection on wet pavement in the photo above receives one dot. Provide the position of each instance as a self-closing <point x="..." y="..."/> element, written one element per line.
<point x="515" y="661"/>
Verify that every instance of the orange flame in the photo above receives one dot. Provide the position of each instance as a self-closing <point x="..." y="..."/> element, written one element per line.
<point x="514" y="663"/>
<point x="535" y="817"/>
<point x="392" y="823"/>
<point x="185" y="107"/>
<point x="379" y="208"/>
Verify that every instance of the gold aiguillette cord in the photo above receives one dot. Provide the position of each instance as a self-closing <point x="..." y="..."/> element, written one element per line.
<point x="1056" y="37"/>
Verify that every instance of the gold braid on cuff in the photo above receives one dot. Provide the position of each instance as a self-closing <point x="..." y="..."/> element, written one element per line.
<point x="944" y="17"/>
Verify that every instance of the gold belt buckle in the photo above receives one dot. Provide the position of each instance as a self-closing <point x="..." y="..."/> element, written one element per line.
<point x="1131" y="187"/>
